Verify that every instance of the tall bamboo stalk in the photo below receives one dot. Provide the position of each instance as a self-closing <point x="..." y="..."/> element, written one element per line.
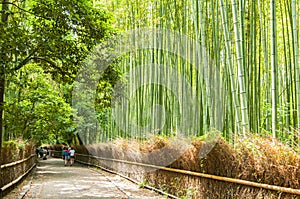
<point x="274" y="67"/>
<point x="296" y="57"/>
<point x="240" y="62"/>
<point x="229" y="63"/>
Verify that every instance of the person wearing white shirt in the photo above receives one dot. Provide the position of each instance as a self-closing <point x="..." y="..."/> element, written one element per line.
<point x="72" y="156"/>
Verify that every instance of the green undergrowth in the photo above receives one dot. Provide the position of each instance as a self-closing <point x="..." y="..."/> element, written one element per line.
<point x="14" y="150"/>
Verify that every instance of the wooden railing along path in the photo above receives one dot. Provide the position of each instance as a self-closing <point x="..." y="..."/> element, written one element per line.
<point x="12" y="173"/>
<point x="96" y="162"/>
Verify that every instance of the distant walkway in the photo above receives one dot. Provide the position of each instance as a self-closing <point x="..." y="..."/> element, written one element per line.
<point x="53" y="180"/>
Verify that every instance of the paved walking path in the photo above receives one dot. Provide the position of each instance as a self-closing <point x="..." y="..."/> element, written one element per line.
<point x="53" y="180"/>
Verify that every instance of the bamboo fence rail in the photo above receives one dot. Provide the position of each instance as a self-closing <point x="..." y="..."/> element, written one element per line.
<point x="13" y="182"/>
<point x="17" y="162"/>
<point x="208" y="176"/>
<point x="196" y="174"/>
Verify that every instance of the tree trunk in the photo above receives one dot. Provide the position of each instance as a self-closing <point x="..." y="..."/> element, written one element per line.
<point x="2" y="85"/>
<point x="4" y="18"/>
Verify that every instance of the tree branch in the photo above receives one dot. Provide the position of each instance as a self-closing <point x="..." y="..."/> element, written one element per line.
<point x="10" y="3"/>
<point x="26" y="60"/>
<point x="37" y="58"/>
<point x="24" y="10"/>
<point x="52" y="63"/>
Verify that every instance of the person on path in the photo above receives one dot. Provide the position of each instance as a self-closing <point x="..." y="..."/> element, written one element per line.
<point x="72" y="156"/>
<point x="45" y="153"/>
<point x="37" y="151"/>
<point x="63" y="152"/>
<point x="66" y="156"/>
<point x="41" y="152"/>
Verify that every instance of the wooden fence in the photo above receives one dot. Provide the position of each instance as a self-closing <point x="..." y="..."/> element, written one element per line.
<point x="12" y="173"/>
<point x="184" y="176"/>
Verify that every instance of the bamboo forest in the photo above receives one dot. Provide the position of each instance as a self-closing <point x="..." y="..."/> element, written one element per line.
<point x="203" y="66"/>
<point x="210" y="86"/>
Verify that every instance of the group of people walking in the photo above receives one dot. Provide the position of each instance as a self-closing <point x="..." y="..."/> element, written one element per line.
<point x="68" y="154"/>
<point x="42" y="152"/>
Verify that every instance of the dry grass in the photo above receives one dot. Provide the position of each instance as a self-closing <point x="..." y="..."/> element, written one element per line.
<point x="272" y="162"/>
<point x="255" y="159"/>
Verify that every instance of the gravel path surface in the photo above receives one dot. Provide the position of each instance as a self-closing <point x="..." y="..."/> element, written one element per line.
<point x="51" y="179"/>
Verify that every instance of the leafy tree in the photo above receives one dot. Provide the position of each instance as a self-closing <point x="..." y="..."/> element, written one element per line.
<point x="35" y="108"/>
<point x="56" y="33"/>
